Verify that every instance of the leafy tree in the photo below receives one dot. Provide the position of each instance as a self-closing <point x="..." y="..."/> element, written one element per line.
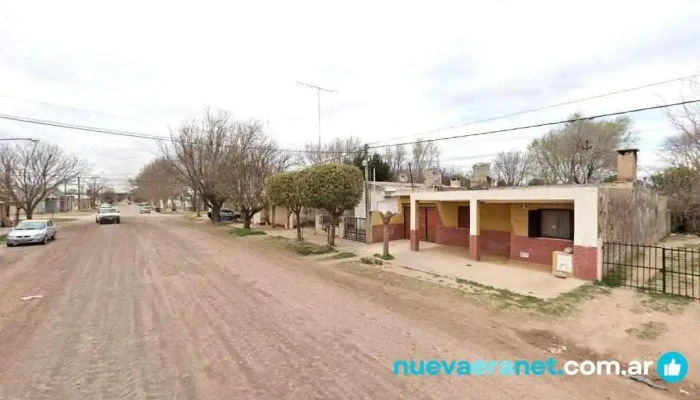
<point x="333" y="188"/>
<point x="378" y="167"/>
<point x="285" y="189"/>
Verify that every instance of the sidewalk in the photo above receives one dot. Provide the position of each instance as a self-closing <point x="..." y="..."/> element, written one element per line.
<point x="454" y="263"/>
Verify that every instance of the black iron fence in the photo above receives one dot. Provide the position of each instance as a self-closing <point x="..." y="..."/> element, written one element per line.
<point x="653" y="268"/>
<point x="355" y="229"/>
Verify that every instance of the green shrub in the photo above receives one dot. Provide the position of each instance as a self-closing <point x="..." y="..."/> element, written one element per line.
<point x="388" y="257"/>
<point x="345" y="254"/>
<point x="371" y="261"/>
<point x="305" y="248"/>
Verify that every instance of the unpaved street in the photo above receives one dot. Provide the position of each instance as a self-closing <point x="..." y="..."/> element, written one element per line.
<point x="156" y="308"/>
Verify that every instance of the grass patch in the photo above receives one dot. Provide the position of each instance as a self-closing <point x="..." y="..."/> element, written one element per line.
<point x="3" y="238"/>
<point x="665" y="303"/>
<point x="648" y="330"/>
<point x="345" y="254"/>
<point x="561" y="305"/>
<point x="304" y="248"/>
<point x="371" y="261"/>
<point x="388" y="257"/>
<point x="246" y="232"/>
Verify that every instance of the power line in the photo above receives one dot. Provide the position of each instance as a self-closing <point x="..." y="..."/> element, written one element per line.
<point x="540" y="108"/>
<point x="46" y="103"/>
<point x="518" y="128"/>
<point x="139" y="135"/>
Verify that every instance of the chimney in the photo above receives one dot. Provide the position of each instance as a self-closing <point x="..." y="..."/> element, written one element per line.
<point x="627" y="165"/>
<point x="481" y="175"/>
<point x="455" y="182"/>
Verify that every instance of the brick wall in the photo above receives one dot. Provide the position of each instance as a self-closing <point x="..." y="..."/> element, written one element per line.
<point x="452" y="236"/>
<point x="586" y="262"/>
<point x="539" y="249"/>
<point x="395" y="232"/>
<point x="474" y="248"/>
<point x="495" y="242"/>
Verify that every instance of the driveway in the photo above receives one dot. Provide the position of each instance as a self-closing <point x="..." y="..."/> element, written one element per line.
<point x="155" y="308"/>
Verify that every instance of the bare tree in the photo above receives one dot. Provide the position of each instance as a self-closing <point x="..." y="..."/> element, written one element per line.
<point x="397" y="158"/>
<point x="512" y="168"/>
<point x="337" y="151"/>
<point x="158" y="182"/>
<point x="254" y="158"/>
<point x="425" y="156"/>
<point x="582" y="151"/>
<point x="200" y="154"/>
<point x="93" y="186"/>
<point x="31" y="171"/>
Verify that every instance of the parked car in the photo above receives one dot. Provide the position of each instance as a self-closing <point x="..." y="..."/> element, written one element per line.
<point x="107" y="215"/>
<point x="144" y="210"/>
<point x="32" y="231"/>
<point x="226" y="214"/>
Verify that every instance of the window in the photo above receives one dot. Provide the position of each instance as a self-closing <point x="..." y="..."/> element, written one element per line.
<point x="463" y="216"/>
<point x="557" y="224"/>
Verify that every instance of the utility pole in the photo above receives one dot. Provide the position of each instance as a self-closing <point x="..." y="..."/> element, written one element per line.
<point x="79" y="204"/>
<point x="368" y="203"/>
<point x="318" y="97"/>
<point x="65" y="203"/>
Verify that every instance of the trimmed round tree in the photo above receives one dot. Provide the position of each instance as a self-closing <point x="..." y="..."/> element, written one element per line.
<point x="285" y="189"/>
<point x="333" y="188"/>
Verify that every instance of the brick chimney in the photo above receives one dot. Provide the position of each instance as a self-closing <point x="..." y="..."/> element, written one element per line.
<point x="627" y="165"/>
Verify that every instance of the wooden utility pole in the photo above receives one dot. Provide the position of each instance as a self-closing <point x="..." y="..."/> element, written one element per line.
<point x="79" y="204"/>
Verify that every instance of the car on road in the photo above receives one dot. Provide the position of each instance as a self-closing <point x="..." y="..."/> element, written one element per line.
<point x="107" y="215"/>
<point x="144" y="210"/>
<point x="226" y="214"/>
<point x="32" y="231"/>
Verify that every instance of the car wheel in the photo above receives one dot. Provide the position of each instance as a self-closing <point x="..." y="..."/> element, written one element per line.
<point x="10" y="245"/>
<point x="118" y="221"/>
<point x="54" y="236"/>
<point x="46" y="239"/>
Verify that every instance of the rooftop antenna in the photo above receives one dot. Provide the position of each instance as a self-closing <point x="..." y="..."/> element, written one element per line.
<point x="318" y="94"/>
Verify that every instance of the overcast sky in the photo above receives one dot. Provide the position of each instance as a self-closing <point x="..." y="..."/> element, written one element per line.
<point x="398" y="70"/>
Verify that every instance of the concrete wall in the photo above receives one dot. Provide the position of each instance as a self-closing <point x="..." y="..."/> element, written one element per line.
<point x="632" y="214"/>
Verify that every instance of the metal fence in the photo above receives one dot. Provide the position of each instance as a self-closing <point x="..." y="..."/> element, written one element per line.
<point x="653" y="268"/>
<point x="355" y="229"/>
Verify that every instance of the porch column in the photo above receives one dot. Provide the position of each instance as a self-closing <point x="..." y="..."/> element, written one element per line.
<point x="474" y="250"/>
<point x="587" y="257"/>
<point x="415" y="233"/>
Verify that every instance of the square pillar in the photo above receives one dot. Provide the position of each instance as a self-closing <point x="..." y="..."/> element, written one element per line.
<point x="415" y="233"/>
<point x="587" y="257"/>
<point x="474" y="245"/>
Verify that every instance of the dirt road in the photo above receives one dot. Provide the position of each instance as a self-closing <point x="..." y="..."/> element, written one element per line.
<point x="154" y="308"/>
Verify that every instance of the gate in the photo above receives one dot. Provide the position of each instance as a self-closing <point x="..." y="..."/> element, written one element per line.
<point x="656" y="269"/>
<point x="355" y="229"/>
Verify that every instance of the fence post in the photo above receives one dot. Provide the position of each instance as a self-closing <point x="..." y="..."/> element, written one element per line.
<point x="663" y="269"/>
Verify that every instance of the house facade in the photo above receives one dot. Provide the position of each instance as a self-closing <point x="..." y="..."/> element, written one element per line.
<point x="529" y="224"/>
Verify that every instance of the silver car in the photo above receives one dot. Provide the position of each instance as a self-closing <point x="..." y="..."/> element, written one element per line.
<point x="32" y="231"/>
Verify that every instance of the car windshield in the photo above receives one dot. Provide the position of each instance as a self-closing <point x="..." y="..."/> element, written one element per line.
<point x="225" y="210"/>
<point x="28" y="225"/>
<point x="107" y="210"/>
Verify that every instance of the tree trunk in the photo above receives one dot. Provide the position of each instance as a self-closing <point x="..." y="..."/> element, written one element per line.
<point x="17" y="209"/>
<point x="386" y="217"/>
<point x="247" y="217"/>
<point x="195" y="204"/>
<point x="331" y="230"/>
<point x="215" y="209"/>
<point x="298" y="221"/>
<point x="29" y="213"/>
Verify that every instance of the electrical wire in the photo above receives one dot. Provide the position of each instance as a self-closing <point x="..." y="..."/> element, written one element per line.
<point x="531" y="110"/>
<point x="540" y="125"/>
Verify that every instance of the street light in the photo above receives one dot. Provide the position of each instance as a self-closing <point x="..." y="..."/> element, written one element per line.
<point x="27" y="139"/>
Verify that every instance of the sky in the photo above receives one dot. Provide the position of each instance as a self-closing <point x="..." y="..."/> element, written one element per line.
<point x="398" y="70"/>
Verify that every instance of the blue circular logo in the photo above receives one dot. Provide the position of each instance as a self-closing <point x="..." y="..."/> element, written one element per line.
<point x="672" y="367"/>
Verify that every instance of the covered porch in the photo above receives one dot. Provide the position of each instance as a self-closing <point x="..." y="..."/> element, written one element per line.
<point x="524" y="224"/>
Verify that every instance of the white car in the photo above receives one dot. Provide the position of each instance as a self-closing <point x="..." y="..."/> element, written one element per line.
<point x="32" y="231"/>
<point x="144" y="210"/>
<point x="107" y="215"/>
